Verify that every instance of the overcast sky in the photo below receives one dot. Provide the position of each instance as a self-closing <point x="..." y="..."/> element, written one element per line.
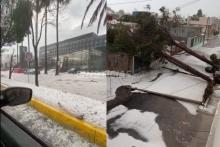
<point x="209" y="7"/>
<point x="69" y="23"/>
<point x="71" y="15"/>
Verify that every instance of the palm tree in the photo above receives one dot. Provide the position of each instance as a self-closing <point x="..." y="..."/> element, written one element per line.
<point x="101" y="8"/>
<point x="148" y="7"/>
<point x="58" y="2"/>
<point x="47" y="3"/>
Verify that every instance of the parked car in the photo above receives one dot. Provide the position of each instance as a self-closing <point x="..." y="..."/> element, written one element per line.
<point x="19" y="70"/>
<point x="74" y="70"/>
<point x="31" y="71"/>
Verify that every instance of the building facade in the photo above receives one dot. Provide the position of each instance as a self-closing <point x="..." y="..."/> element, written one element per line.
<point x="210" y="25"/>
<point x="88" y="51"/>
<point x="191" y="36"/>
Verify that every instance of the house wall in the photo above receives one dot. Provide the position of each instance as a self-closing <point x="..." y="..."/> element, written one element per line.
<point x="208" y="24"/>
<point x="185" y="31"/>
<point x="191" y="36"/>
<point x="120" y="62"/>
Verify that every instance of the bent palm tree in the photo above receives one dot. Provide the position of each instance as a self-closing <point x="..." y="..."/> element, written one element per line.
<point x="101" y="8"/>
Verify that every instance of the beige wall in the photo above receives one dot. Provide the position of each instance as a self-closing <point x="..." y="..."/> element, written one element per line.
<point x="212" y="23"/>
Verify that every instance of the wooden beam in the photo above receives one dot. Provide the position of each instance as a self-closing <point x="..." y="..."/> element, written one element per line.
<point x="186" y="67"/>
<point x="169" y="96"/>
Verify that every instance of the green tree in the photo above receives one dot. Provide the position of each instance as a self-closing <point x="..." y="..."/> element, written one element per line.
<point x="165" y="16"/>
<point x="7" y="25"/>
<point x="148" y="38"/>
<point x="21" y="22"/>
<point x="144" y="42"/>
<point x="148" y="7"/>
<point x="123" y="40"/>
<point x="15" y="21"/>
<point x="199" y="13"/>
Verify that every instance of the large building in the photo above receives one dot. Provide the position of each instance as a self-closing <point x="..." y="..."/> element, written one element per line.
<point x="191" y="36"/>
<point x="210" y="25"/>
<point x="88" y="51"/>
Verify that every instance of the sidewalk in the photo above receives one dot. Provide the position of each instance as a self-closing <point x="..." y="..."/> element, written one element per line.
<point x="213" y="140"/>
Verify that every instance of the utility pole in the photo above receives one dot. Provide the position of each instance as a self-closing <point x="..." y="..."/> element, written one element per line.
<point x="28" y="62"/>
<point x="206" y="29"/>
<point x="45" y="56"/>
<point x="57" y="37"/>
<point x="17" y="53"/>
<point x="28" y="43"/>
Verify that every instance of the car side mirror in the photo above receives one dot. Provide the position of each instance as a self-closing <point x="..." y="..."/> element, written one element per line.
<point x="15" y="96"/>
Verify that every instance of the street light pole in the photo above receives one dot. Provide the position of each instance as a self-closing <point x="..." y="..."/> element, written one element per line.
<point x="17" y="53"/>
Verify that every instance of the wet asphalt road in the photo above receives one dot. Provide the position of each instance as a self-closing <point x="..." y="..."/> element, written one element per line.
<point x="179" y="127"/>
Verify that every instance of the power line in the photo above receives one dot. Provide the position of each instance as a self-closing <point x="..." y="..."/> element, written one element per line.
<point x="188" y="3"/>
<point x="129" y="2"/>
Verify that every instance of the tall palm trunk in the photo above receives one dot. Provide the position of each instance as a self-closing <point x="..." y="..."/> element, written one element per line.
<point x="17" y="53"/>
<point x="57" y="35"/>
<point x="28" y="42"/>
<point x="35" y="47"/>
<point x="11" y="68"/>
<point x="45" y="71"/>
<point x="28" y="48"/>
<point x="36" y="66"/>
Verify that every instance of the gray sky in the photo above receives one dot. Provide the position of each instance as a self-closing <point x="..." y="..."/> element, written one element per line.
<point x="209" y="7"/>
<point x="71" y="16"/>
<point x="69" y="23"/>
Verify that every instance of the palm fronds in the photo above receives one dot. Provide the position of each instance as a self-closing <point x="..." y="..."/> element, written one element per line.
<point x="101" y="16"/>
<point x="101" y="8"/>
<point x="87" y="9"/>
